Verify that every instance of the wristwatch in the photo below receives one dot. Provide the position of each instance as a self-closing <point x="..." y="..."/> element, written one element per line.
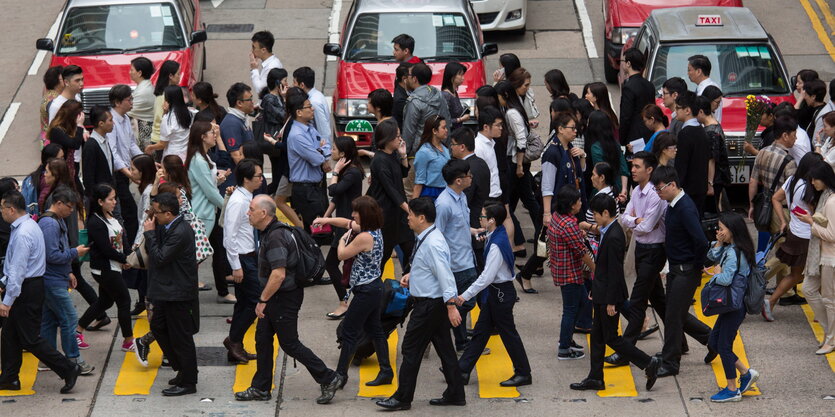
<point x="260" y="301"/>
<point x="450" y="303"/>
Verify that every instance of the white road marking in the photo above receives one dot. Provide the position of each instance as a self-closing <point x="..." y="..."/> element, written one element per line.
<point x="585" y="24"/>
<point x="39" y="57"/>
<point x="217" y="3"/>
<point x="8" y="118"/>
<point x="333" y="25"/>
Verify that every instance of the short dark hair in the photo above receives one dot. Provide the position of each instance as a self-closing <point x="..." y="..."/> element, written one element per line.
<point x="7" y="184"/>
<point x="168" y="202"/>
<point x="405" y="42"/>
<point x="603" y="202"/>
<point x="245" y="170"/>
<point x="816" y="89"/>
<point x="98" y="114"/>
<point x="382" y="100"/>
<point x="118" y="93"/>
<point x="370" y="212"/>
<point x="422" y="72"/>
<point x="385" y="132"/>
<point x="65" y="195"/>
<point x="567" y="196"/>
<point x="402" y="71"/>
<point x="235" y="93"/>
<point x="264" y="38"/>
<point x="423" y="206"/>
<point x="664" y="174"/>
<point x="687" y="99"/>
<point x="71" y="71"/>
<point x="454" y="169"/>
<point x="675" y="85"/>
<point x="785" y="109"/>
<point x="50" y="77"/>
<point x="636" y="58"/>
<point x="15" y="200"/>
<point x="703" y="104"/>
<point x="649" y="158"/>
<point x="488" y="116"/>
<point x="144" y="66"/>
<point x="464" y="136"/>
<point x="783" y="124"/>
<point x="495" y="211"/>
<point x="295" y="102"/>
<point x="306" y="76"/>
<point x="700" y="62"/>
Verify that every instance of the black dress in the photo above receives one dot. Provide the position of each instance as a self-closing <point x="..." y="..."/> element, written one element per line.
<point x="387" y="175"/>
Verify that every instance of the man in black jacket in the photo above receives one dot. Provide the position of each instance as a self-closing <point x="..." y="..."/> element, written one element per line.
<point x="172" y="289"/>
<point x="97" y="157"/>
<point x="693" y="151"/>
<point x="608" y="294"/>
<point x="401" y="92"/>
<point x="636" y="93"/>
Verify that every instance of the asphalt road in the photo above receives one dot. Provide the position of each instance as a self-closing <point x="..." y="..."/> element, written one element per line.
<point x="794" y="380"/>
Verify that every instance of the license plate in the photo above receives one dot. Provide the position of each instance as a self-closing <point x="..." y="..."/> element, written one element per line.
<point x="740" y="175"/>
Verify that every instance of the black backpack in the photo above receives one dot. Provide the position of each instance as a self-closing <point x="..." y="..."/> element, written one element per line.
<point x="311" y="264"/>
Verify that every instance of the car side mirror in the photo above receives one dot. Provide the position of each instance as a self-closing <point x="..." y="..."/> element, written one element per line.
<point x="489" y="48"/>
<point x="332" y="49"/>
<point x="198" y="37"/>
<point x="45" y="44"/>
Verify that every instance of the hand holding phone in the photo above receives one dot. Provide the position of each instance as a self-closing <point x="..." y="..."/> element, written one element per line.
<point x="798" y="211"/>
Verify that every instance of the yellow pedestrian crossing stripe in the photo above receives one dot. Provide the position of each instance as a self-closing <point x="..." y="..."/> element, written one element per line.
<point x="370" y="367"/>
<point x="817" y="329"/>
<point x="135" y="379"/>
<point x="739" y="347"/>
<point x="245" y="372"/>
<point x="618" y="379"/>
<point x="28" y="374"/>
<point x="494" y="368"/>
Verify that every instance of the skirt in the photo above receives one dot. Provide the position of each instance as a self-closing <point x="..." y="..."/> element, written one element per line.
<point x="431" y="192"/>
<point x="793" y="251"/>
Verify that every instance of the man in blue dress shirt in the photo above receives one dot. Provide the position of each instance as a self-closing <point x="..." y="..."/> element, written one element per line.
<point x="22" y="306"/>
<point x="306" y="158"/>
<point x="433" y="288"/>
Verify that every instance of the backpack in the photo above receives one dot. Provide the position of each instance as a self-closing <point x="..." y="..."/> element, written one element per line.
<point x="755" y="292"/>
<point x="30" y="194"/>
<point x="397" y="300"/>
<point x="311" y="264"/>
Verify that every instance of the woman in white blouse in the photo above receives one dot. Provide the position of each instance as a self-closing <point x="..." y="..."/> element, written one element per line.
<point x="141" y="70"/>
<point x="175" y="125"/>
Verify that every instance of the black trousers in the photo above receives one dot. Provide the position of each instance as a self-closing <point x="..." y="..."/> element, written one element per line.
<point x="128" y="205"/>
<point x="522" y="189"/>
<point x="390" y="240"/>
<point x="310" y="201"/>
<point x="649" y="261"/>
<point x="682" y="281"/>
<point x="220" y="265"/>
<point x="112" y="289"/>
<point x="282" y="320"/>
<point x="604" y="331"/>
<point x="247" y="292"/>
<point x="22" y="331"/>
<point x="334" y="265"/>
<point x="173" y="325"/>
<point x="428" y="323"/>
<point x="497" y="313"/>
<point x="363" y="316"/>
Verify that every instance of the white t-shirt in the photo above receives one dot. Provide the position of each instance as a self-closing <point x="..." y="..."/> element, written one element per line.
<point x="801" y="146"/>
<point x="798" y="228"/>
<point x="177" y="136"/>
<point x="116" y="235"/>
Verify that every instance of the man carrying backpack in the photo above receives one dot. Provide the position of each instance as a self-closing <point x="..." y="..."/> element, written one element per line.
<point x="278" y="307"/>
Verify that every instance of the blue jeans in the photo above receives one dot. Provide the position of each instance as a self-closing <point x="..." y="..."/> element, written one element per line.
<point x="574" y="299"/>
<point x="58" y="311"/>
<point x="722" y="339"/>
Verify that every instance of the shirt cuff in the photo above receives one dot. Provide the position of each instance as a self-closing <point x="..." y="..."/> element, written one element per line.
<point x="9" y="300"/>
<point x="234" y="261"/>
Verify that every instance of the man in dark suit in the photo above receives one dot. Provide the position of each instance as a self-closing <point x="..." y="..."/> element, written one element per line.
<point x="97" y="157"/>
<point x="636" y="93"/>
<point x="693" y="151"/>
<point x="608" y="293"/>
<point x="172" y="287"/>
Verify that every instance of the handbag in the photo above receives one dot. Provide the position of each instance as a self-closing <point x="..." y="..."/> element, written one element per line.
<point x="347" y="264"/>
<point x="84" y="240"/>
<point x="321" y="230"/>
<point x="762" y="202"/>
<point x="138" y="259"/>
<point x="719" y="299"/>
<point x="541" y="249"/>
<point x="201" y="239"/>
<point x="533" y="146"/>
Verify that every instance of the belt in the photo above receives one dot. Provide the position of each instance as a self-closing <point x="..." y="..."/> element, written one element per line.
<point x="300" y="183"/>
<point x="251" y="254"/>
<point x="649" y="245"/>
<point x="682" y="267"/>
<point x="423" y="299"/>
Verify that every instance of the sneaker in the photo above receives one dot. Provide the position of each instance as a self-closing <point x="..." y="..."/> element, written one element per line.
<point x="726" y="395"/>
<point x="767" y="314"/>
<point x="86" y="368"/>
<point x="747" y="381"/>
<point x="141" y="349"/>
<point x="128" y="346"/>
<point x="79" y="337"/>
<point x="792" y="300"/>
<point x="570" y="355"/>
<point x="575" y="347"/>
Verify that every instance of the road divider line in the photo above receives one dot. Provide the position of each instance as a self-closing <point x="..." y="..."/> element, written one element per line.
<point x="493" y="368"/>
<point x="28" y="375"/>
<point x="40" y="55"/>
<point x="135" y="379"/>
<point x="817" y="330"/>
<point x="739" y="347"/>
<point x="619" y="380"/>
<point x="827" y="15"/>
<point x="823" y="36"/>
<point x="8" y="118"/>
<point x="245" y="372"/>
<point x="585" y="25"/>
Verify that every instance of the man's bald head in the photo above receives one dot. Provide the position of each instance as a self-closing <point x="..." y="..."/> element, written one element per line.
<point x="265" y="202"/>
<point x="261" y="211"/>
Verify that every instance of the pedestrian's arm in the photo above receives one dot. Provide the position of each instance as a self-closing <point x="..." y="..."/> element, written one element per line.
<point x="627" y="111"/>
<point x="411" y="119"/>
<point x="273" y="283"/>
<point x="323" y="126"/>
<point x="307" y="150"/>
<point x="777" y="202"/>
<point x="697" y="235"/>
<point x="387" y="182"/>
<point x="653" y="215"/>
<point x="168" y="252"/>
<point x="16" y="266"/>
<point x="492" y="263"/>
<point x="97" y="232"/>
<point x="363" y="242"/>
<point x="439" y="264"/>
<point x="203" y="180"/>
<point x="627" y="219"/>
<point x="232" y="223"/>
<point x="52" y="240"/>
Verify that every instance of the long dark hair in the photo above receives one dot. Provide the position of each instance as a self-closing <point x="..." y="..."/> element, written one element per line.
<point x="166" y="70"/>
<point x="48" y="152"/>
<point x="555" y="80"/>
<point x="601" y="95"/>
<point x="804" y="169"/>
<point x="740" y="235"/>
<point x="823" y="171"/>
<point x="385" y="132"/>
<point x="99" y="192"/>
<point x="348" y="146"/>
<point x="66" y="118"/>
<point x="599" y="130"/>
<point x="486" y="96"/>
<point x="177" y="105"/>
<point x="177" y="173"/>
<point x="205" y="92"/>
<point x="509" y="62"/>
<point x="508" y="93"/>
<point x="147" y="170"/>
<point x="195" y="141"/>
<point x="450" y="71"/>
<point x="431" y="124"/>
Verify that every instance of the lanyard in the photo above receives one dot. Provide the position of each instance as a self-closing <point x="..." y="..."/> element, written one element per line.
<point x="420" y="242"/>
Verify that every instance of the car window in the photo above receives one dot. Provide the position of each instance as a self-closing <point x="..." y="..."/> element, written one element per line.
<point x="739" y="69"/>
<point x="438" y="36"/>
<point x="121" y="28"/>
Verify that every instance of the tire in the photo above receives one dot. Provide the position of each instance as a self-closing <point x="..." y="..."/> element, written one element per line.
<point x="611" y="73"/>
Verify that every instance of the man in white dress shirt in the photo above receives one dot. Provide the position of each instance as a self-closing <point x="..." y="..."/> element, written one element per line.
<point x="122" y="143"/>
<point x="698" y="70"/>
<point x="490" y="127"/>
<point x="262" y="50"/>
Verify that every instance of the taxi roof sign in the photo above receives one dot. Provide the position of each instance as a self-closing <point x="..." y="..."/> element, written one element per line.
<point x="709" y="20"/>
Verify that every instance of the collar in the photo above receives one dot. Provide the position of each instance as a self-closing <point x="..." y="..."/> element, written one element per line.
<point x="690" y="122"/>
<point x="304" y="127"/>
<point x="426" y="232"/>
<point x="456" y="196"/>
<point x="467" y="156"/>
<point x="244" y="191"/>
<point x="270" y="59"/>
<point x="482" y="138"/>
<point x="313" y="91"/>
<point x="603" y="230"/>
<point x="15" y="224"/>
<point x="607" y="189"/>
<point x="645" y="189"/>
<point x="239" y="114"/>
<point x="706" y="82"/>
<point x="102" y="140"/>
<point x="677" y="198"/>
<point x="117" y="118"/>
<point x="168" y="226"/>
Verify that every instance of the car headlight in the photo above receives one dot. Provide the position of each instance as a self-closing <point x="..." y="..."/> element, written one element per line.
<point x="352" y="107"/>
<point x="621" y="35"/>
<point x="514" y="15"/>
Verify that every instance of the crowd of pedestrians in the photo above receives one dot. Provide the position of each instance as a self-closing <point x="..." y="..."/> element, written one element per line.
<point x="167" y="179"/>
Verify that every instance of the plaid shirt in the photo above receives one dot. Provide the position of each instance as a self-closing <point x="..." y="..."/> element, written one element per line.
<point x="768" y="163"/>
<point x="566" y="248"/>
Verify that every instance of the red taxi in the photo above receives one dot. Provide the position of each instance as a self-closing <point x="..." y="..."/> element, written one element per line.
<point x="103" y="36"/>
<point x="623" y="19"/>
<point x="444" y="31"/>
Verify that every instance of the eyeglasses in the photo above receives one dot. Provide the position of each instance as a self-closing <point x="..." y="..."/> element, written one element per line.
<point x="246" y="99"/>
<point x="658" y="190"/>
<point x="483" y="217"/>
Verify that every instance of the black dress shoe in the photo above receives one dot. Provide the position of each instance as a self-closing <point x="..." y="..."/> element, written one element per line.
<point x="663" y="371"/>
<point x="646" y="333"/>
<point x="792" y="300"/>
<point x="393" y="404"/>
<point x="521" y="253"/>
<point x="325" y="281"/>
<point x="69" y="380"/>
<point x="445" y="401"/>
<point x="138" y="308"/>
<point x="517" y="381"/>
<point x="10" y="386"/>
<point x="616" y="360"/>
<point x="175" y="381"/>
<point x="465" y="376"/>
<point x="383" y="378"/>
<point x="177" y="390"/>
<point x="651" y="371"/>
<point x="711" y="355"/>
<point x="588" y="384"/>
<point x="101" y="323"/>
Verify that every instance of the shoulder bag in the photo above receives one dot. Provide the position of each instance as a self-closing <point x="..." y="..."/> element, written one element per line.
<point x="762" y="201"/>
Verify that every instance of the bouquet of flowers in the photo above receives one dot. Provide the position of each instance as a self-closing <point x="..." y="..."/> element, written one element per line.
<point x="754" y="109"/>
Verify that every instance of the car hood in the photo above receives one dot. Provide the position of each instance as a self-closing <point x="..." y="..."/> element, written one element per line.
<point x="357" y="79"/>
<point x="734" y="113"/>
<point x="105" y="71"/>
<point x="632" y="13"/>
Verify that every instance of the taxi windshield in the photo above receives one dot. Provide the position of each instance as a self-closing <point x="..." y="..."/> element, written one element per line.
<point x="120" y="28"/>
<point x="438" y="36"/>
<point x="739" y="69"/>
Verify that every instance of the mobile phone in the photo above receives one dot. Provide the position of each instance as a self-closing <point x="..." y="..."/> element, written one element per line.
<point x="467" y="111"/>
<point x="481" y="236"/>
<point x="797" y="210"/>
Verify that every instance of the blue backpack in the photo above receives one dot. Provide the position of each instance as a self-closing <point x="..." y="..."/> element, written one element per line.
<point x="398" y="301"/>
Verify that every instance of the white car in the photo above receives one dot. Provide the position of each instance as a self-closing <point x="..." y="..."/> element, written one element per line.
<point x="501" y="14"/>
